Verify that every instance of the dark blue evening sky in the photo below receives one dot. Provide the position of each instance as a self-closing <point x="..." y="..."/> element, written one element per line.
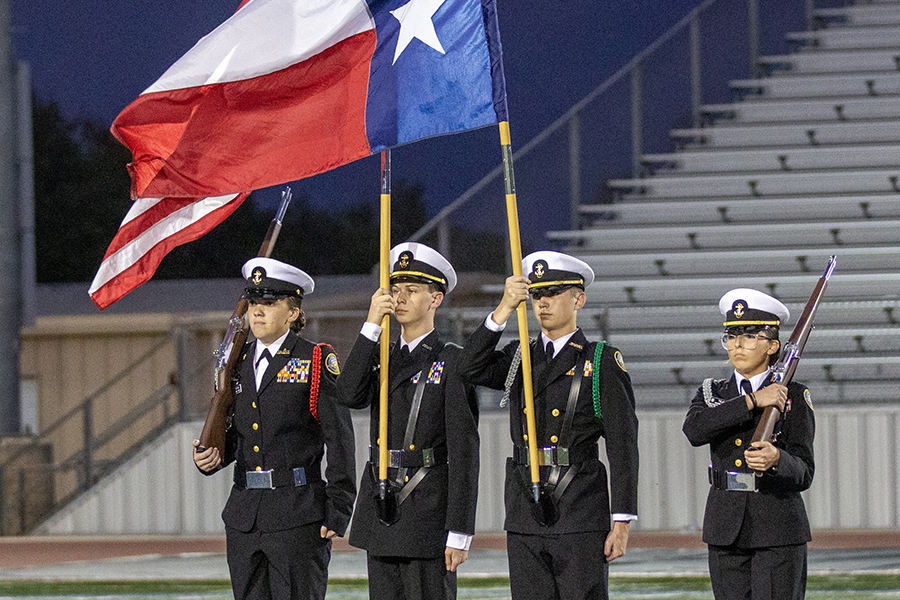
<point x="93" y="58"/>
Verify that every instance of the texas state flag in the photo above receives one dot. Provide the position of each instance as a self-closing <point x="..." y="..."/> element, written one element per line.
<point x="286" y="89"/>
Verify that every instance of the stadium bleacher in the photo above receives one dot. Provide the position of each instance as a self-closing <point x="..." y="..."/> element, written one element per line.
<point x="804" y="164"/>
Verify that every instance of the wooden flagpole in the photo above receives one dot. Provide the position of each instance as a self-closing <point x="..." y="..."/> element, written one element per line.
<point x="515" y="246"/>
<point x="385" y="283"/>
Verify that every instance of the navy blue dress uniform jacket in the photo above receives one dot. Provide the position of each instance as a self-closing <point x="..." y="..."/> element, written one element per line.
<point x="274" y="429"/>
<point x="585" y="505"/>
<point x="445" y="499"/>
<point x="775" y="515"/>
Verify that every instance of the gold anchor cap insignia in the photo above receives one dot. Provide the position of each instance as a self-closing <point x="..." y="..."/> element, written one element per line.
<point x="258" y="275"/>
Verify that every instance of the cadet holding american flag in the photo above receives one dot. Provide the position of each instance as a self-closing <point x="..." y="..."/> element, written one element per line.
<point x="418" y="537"/>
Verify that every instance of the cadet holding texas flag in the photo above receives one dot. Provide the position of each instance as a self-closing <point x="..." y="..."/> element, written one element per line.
<point x="560" y="546"/>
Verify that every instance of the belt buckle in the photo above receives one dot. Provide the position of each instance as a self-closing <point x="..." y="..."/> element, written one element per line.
<point x="428" y="457"/>
<point x="545" y="456"/>
<point x="260" y="480"/>
<point x="299" y="476"/>
<point x="395" y="458"/>
<point x="741" y="482"/>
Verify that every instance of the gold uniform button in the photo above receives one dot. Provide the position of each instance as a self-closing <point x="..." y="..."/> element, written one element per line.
<point x="256" y="448"/>
<point x="259" y="468"/>
<point x="525" y="410"/>
<point x="254" y="405"/>
<point x="255" y="426"/>
<point x="738" y="442"/>
<point x="738" y="463"/>
<point x="555" y="412"/>
<point x="554" y="439"/>
<point x="525" y="437"/>
<point x="412" y="446"/>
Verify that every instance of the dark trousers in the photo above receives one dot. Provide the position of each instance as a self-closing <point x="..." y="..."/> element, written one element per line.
<point x="558" y="567"/>
<point x="398" y="578"/>
<point x="777" y="573"/>
<point x="278" y="565"/>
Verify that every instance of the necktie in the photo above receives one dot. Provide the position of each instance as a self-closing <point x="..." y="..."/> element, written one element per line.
<point x="403" y="356"/>
<point x="262" y="366"/>
<point x="746" y="387"/>
<point x="549" y="350"/>
<point x="265" y="355"/>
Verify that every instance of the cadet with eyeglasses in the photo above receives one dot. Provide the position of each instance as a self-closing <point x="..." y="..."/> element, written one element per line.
<point x="560" y="547"/>
<point x="755" y="524"/>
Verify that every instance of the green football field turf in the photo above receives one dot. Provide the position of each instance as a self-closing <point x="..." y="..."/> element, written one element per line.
<point x="820" y="587"/>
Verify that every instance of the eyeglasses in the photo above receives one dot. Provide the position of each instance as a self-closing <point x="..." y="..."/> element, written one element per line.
<point x="748" y="341"/>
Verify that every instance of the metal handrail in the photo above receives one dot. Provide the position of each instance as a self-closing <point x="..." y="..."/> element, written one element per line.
<point x="80" y="408"/>
<point x="81" y="460"/>
<point x="629" y="69"/>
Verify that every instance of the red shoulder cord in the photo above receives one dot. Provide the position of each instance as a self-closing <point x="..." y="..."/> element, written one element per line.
<point x="314" y="383"/>
<point x="316" y="377"/>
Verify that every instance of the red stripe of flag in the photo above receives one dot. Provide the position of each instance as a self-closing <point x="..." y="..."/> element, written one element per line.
<point x="151" y="230"/>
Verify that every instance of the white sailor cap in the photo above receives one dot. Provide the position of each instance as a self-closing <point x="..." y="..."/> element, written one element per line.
<point x="418" y="262"/>
<point x="546" y="269"/>
<point x="271" y="279"/>
<point x="744" y="307"/>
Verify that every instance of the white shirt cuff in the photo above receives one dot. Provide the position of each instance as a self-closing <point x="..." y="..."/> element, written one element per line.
<point x="371" y="331"/>
<point x="624" y="517"/>
<point x="489" y="323"/>
<point x="459" y="541"/>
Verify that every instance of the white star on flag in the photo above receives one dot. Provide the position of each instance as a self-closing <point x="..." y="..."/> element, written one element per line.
<point x="415" y="22"/>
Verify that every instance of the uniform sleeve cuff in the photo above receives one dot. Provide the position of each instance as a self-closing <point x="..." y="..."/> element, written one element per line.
<point x="624" y="517"/>
<point x="459" y="541"/>
<point x="371" y="331"/>
<point x="489" y="323"/>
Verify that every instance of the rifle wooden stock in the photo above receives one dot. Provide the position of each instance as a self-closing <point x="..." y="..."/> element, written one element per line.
<point x="213" y="433"/>
<point x="766" y="426"/>
<point x="783" y="371"/>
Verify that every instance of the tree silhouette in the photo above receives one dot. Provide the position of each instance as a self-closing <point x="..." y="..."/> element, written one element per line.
<point x="82" y="194"/>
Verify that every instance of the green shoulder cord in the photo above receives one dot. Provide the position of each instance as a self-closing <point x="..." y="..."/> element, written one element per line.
<point x="598" y="354"/>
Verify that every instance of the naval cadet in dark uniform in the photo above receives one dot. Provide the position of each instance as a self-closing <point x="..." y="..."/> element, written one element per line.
<point x="755" y="524"/>
<point x="414" y="551"/>
<point x="560" y="548"/>
<point x="282" y="514"/>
